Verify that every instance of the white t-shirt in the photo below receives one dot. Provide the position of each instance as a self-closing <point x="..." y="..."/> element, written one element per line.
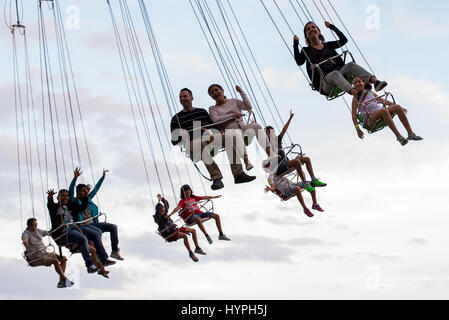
<point x="281" y="184"/>
<point x="36" y="247"/>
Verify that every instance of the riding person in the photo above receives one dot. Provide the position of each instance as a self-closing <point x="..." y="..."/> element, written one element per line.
<point x="284" y="164"/>
<point x="225" y="109"/>
<point x="335" y="71"/>
<point x="37" y="255"/>
<point x="86" y="217"/>
<point x="171" y="233"/>
<point x="66" y="233"/>
<point x="372" y="112"/>
<point x="183" y="128"/>
<point x="192" y="214"/>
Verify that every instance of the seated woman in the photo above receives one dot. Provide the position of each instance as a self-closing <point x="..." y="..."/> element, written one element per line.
<point x="66" y="233"/>
<point x="372" y="112"/>
<point x="37" y="255"/>
<point x="232" y="108"/>
<point x="284" y="164"/>
<point x="335" y="71"/>
<point x="170" y="232"/>
<point x="287" y="189"/>
<point x="192" y="214"/>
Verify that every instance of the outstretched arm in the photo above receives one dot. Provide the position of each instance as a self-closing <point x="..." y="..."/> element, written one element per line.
<point x="284" y="130"/>
<point x="175" y="210"/>
<point x="97" y="187"/>
<point x="76" y="174"/>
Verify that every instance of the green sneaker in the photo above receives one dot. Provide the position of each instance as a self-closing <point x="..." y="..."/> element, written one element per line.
<point x="318" y="183"/>
<point x="308" y="187"/>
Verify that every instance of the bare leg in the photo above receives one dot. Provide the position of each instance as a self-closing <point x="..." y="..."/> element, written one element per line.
<point x="308" y="163"/>
<point x="386" y="116"/>
<point x="300" y="198"/>
<point x="216" y="217"/>
<point x="194" y="236"/>
<point x="97" y="262"/>
<point x="199" y="222"/>
<point x="297" y="165"/>
<point x="186" y="241"/>
<point x="313" y="193"/>
<point x="58" y="270"/>
<point x="396" y="109"/>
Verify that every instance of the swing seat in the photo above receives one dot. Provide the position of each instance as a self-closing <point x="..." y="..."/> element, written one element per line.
<point x="379" y="126"/>
<point x="337" y="91"/>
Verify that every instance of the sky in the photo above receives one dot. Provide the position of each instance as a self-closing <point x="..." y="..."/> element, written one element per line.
<point x="384" y="232"/>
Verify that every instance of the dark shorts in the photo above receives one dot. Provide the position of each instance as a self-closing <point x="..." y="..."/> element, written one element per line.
<point x="282" y="168"/>
<point x="202" y="215"/>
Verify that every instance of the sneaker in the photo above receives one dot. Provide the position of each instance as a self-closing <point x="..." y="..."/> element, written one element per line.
<point x="223" y="237"/>
<point x="308" y="187"/>
<point x="380" y="85"/>
<point x="414" y="137"/>
<point x="249" y="166"/>
<point x="318" y="183"/>
<point x="243" y="178"/>
<point x="193" y="257"/>
<point x="116" y="255"/>
<point x="92" y="269"/>
<point x="200" y="251"/>
<point x="209" y="239"/>
<point x="108" y="262"/>
<point x="308" y="213"/>
<point x="217" y="185"/>
<point x="61" y="284"/>
<point x="317" y="208"/>
<point x="402" y="141"/>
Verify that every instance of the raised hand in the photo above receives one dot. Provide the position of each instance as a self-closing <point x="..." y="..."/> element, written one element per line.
<point x="51" y="193"/>
<point x="159" y="197"/>
<point x="328" y="24"/>
<point x="291" y="114"/>
<point x="104" y="173"/>
<point x="239" y="90"/>
<point x="295" y="38"/>
<point x="77" y="172"/>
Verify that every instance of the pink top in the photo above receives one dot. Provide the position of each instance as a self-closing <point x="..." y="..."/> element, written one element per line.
<point x="370" y="105"/>
<point x="227" y="110"/>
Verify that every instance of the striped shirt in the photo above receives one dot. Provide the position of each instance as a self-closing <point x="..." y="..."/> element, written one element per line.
<point x="185" y="120"/>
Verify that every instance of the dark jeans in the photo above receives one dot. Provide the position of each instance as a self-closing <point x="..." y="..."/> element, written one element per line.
<point x="113" y="230"/>
<point x="94" y="234"/>
<point x="76" y="237"/>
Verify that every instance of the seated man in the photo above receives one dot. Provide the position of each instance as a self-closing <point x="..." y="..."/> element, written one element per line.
<point x="170" y="232"/>
<point x="66" y="233"/>
<point x="184" y="122"/>
<point x="86" y="217"/>
<point x="37" y="255"/>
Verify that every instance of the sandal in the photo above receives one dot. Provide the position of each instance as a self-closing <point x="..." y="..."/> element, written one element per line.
<point x="402" y="141"/>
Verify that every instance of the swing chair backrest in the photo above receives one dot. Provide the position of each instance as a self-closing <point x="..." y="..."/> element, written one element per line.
<point x="26" y="255"/>
<point x="380" y="124"/>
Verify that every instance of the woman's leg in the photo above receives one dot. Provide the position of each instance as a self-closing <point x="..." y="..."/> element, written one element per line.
<point x="385" y="115"/>
<point x="200" y="224"/>
<point x="194" y="236"/>
<point x="396" y="109"/>
<point x="256" y="130"/>
<point x="300" y="197"/>
<point x="352" y="68"/>
<point x="308" y="163"/>
<point x="184" y="237"/>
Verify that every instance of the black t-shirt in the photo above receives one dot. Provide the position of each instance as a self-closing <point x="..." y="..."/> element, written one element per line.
<point x="317" y="56"/>
<point x="185" y="120"/>
<point x="281" y="152"/>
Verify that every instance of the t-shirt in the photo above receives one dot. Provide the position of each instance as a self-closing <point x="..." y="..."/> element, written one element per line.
<point x="36" y="247"/>
<point x="281" y="184"/>
<point x="86" y="214"/>
<point x="185" y="120"/>
<point x="228" y="110"/>
<point x="190" y="206"/>
<point x="370" y="105"/>
<point x="66" y="215"/>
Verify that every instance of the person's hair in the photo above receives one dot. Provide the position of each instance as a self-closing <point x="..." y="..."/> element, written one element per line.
<point x="188" y="90"/>
<point x="214" y="85"/>
<point x="184" y="189"/>
<point x="159" y="208"/>
<point x="30" y="221"/>
<point x="62" y="191"/>
<point x="305" y="33"/>
<point x="269" y="128"/>
<point x="80" y="187"/>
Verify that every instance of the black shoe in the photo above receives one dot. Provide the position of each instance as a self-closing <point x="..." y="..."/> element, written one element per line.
<point x="108" y="262"/>
<point x="92" y="269"/>
<point x="243" y="178"/>
<point x="380" y="85"/>
<point x="217" y="185"/>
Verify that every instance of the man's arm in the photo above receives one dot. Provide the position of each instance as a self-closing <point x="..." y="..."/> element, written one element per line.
<point x="284" y="130"/>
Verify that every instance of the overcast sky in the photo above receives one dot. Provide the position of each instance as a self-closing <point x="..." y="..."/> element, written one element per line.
<point x="384" y="232"/>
